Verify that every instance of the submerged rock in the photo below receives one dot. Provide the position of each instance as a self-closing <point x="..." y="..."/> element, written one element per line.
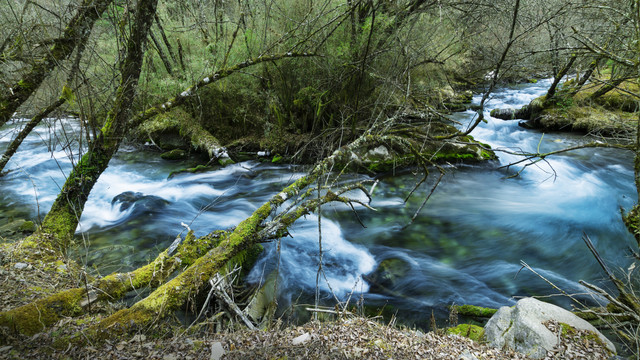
<point x="142" y="202"/>
<point x="522" y="328"/>
<point x="175" y="154"/>
<point x="387" y="274"/>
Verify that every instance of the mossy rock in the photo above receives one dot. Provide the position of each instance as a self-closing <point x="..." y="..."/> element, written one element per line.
<point x="175" y="154"/>
<point x="475" y="311"/>
<point x="388" y="272"/>
<point x="586" y="119"/>
<point x="13" y="227"/>
<point x="473" y="332"/>
<point x="225" y="161"/>
<point x="193" y="170"/>
<point x="27" y="227"/>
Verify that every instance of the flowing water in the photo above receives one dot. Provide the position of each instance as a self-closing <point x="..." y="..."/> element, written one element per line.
<point x="465" y="247"/>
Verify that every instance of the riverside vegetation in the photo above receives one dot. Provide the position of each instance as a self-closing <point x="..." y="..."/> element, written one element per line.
<point x="348" y="86"/>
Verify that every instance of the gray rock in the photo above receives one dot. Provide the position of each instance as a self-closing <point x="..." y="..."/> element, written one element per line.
<point x="467" y="356"/>
<point x="301" y="339"/>
<point x="524" y="113"/>
<point x="521" y="327"/>
<point x="379" y="153"/>
<point x="21" y="266"/>
<point x="504" y="114"/>
<point x="217" y="351"/>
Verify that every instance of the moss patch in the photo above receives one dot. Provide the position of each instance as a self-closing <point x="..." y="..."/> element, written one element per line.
<point x="473" y="332"/>
<point x="475" y="311"/>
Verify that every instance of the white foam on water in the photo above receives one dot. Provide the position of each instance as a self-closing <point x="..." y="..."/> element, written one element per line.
<point x="343" y="262"/>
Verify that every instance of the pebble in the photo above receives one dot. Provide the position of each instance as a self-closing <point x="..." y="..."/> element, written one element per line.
<point x="467" y="356"/>
<point x="216" y="351"/>
<point x="301" y="339"/>
<point x="21" y="266"/>
<point x="139" y="338"/>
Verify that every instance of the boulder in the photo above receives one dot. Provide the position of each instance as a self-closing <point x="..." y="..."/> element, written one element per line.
<point x="504" y="114"/>
<point x="524" y="113"/>
<point x="140" y="202"/>
<point x="522" y="328"/>
<point x="387" y="274"/>
<point x="175" y="154"/>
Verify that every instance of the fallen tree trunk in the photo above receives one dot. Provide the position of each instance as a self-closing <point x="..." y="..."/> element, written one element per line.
<point x="174" y="294"/>
<point x="202" y="257"/>
<point x="38" y="315"/>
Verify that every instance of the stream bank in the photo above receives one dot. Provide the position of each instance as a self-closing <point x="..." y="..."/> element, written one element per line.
<point x="465" y="247"/>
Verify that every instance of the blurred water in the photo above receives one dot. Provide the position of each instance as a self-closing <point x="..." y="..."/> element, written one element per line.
<point x="464" y="248"/>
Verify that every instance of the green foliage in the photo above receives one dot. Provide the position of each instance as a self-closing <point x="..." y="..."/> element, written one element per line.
<point x="68" y="95"/>
<point x="276" y="159"/>
<point x="564" y="102"/>
<point x="473" y="332"/>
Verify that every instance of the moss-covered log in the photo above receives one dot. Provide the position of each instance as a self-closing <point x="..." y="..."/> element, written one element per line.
<point x="174" y="294"/>
<point x="40" y="314"/>
<point x="178" y="121"/>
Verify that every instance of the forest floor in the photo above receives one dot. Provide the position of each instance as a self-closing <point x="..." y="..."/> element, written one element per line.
<point x="349" y="337"/>
<point x="352" y="337"/>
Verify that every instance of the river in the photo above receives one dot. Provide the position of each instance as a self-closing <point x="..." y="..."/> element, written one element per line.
<point x="464" y="248"/>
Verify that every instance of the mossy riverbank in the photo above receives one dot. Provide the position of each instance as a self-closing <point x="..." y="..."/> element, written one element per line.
<point x="586" y="110"/>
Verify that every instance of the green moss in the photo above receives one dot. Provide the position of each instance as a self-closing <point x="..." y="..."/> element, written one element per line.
<point x="34" y="317"/>
<point x="27" y="227"/>
<point x="193" y="170"/>
<point x="175" y="154"/>
<point x="277" y="159"/>
<point x="473" y="332"/>
<point x="632" y="221"/>
<point x="568" y="331"/>
<point x="224" y="161"/>
<point x="193" y="248"/>
<point x="25" y="84"/>
<point x="475" y="311"/>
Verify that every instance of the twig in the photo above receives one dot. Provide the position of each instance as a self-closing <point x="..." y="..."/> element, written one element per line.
<point x="220" y="293"/>
<point x="525" y="265"/>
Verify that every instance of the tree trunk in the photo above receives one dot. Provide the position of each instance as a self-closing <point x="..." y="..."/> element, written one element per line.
<point x="62" y="220"/>
<point x="66" y="95"/>
<point x="608" y="86"/>
<point x="585" y="77"/>
<point x="88" y="12"/>
<point x="556" y="80"/>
